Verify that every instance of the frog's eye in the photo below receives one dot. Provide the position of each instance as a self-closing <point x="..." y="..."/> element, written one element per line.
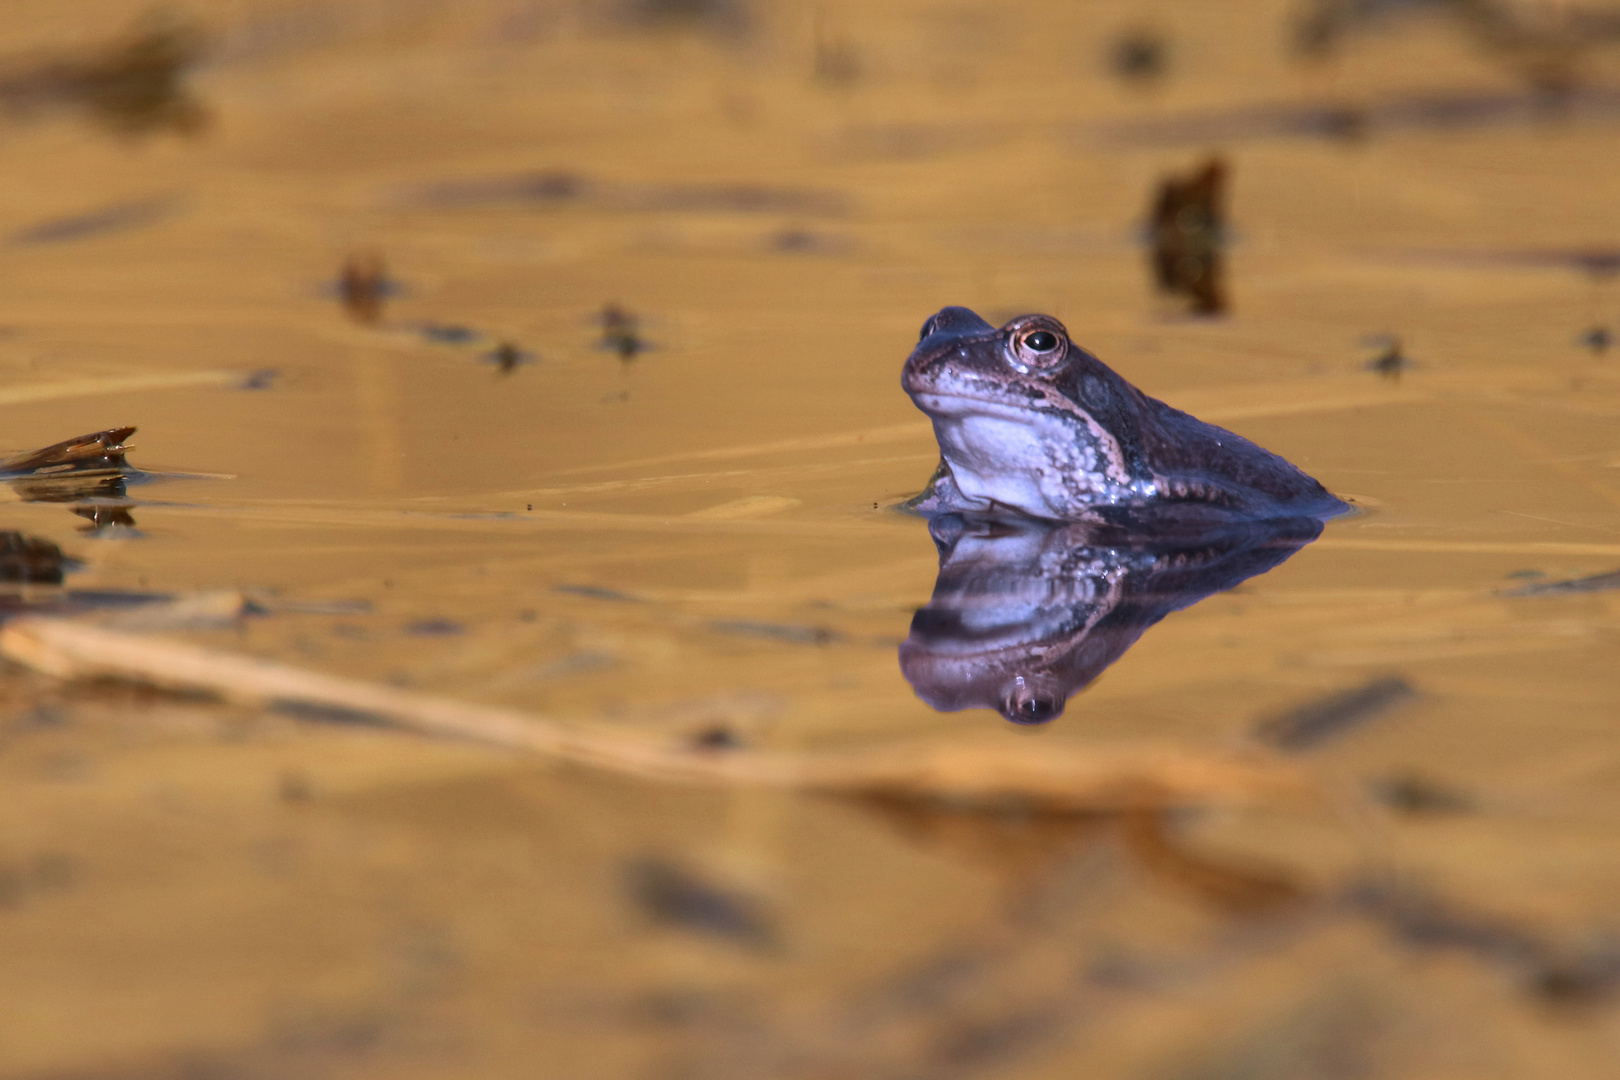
<point x="1037" y="346"/>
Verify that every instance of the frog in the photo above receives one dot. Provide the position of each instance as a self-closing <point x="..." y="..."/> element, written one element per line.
<point x="1030" y="423"/>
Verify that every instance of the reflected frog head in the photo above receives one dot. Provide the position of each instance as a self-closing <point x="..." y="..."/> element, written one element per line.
<point x="1029" y="422"/>
<point x="1027" y="613"/>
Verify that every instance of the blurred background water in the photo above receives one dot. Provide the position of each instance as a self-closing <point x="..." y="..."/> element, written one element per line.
<point x="544" y="353"/>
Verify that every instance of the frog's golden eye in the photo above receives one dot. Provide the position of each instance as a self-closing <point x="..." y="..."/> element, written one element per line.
<point x="1037" y="346"/>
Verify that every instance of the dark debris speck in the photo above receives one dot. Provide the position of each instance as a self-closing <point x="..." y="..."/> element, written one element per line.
<point x="435" y="628"/>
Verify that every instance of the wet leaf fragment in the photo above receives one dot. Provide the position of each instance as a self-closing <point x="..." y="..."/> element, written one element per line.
<point x="1390" y="361"/>
<point x="89" y="470"/>
<point x="1188" y="231"/>
<point x="1594" y="583"/>
<point x="1140" y="56"/>
<point x="675" y="896"/>
<point x="1413" y="794"/>
<point x="135" y="85"/>
<point x="100" y="450"/>
<point x="363" y="284"/>
<point x="621" y="333"/>
<point x="1308" y="726"/>
<point x="30" y="560"/>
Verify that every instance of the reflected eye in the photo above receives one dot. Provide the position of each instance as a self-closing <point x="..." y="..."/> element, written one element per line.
<point x="1028" y="702"/>
<point x="1038" y="346"/>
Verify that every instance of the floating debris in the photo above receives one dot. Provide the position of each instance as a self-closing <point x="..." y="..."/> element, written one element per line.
<point x="676" y="897"/>
<point x="449" y="333"/>
<point x="100" y="450"/>
<point x="1391" y="361"/>
<point x="723" y="17"/>
<point x="792" y="633"/>
<point x="1140" y="56"/>
<point x="1339" y="120"/>
<point x="89" y="470"/>
<point x="595" y="592"/>
<point x="718" y="737"/>
<point x="1597" y="340"/>
<point x="104" y="518"/>
<point x="262" y="379"/>
<point x="1556" y="973"/>
<point x="133" y="86"/>
<point x="435" y="628"/>
<point x="115" y="218"/>
<point x="294" y="786"/>
<point x="1188" y="233"/>
<point x="1600" y="264"/>
<point x="31" y="560"/>
<point x="1308" y="726"/>
<point x="557" y="188"/>
<point x="1409" y="793"/>
<point x="837" y="63"/>
<point x="1595" y="583"/>
<point x="1542" y="43"/>
<point x="21" y="881"/>
<point x="363" y="284"/>
<point x="807" y="242"/>
<point x="621" y="333"/>
<point x="507" y="357"/>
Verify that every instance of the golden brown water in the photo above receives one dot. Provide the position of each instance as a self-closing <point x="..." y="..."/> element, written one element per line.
<point x="702" y="536"/>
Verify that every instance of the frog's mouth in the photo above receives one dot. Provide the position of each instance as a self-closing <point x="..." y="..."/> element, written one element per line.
<point x="958" y="406"/>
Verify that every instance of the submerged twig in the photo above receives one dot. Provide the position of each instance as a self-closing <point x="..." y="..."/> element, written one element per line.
<point x="1040" y="774"/>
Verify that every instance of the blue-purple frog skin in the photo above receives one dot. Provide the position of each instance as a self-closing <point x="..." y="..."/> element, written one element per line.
<point x="1029" y="422"/>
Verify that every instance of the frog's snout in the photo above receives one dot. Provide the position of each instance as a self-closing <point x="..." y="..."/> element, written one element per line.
<point x="943" y="335"/>
<point x="954" y="321"/>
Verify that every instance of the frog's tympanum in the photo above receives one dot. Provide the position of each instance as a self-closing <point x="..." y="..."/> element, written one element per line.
<point x="1026" y="613"/>
<point x="1072" y="512"/>
<point x="1029" y="422"/>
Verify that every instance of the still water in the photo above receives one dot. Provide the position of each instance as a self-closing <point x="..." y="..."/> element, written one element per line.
<point x="616" y="438"/>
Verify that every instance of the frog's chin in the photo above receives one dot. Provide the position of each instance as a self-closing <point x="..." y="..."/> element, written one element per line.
<point x="1000" y="458"/>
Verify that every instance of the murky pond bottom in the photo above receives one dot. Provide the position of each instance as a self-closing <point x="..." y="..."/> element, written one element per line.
<point x="682" y="529"/>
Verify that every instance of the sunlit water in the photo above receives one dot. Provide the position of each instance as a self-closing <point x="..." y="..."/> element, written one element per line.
<point x="704" y="537"/>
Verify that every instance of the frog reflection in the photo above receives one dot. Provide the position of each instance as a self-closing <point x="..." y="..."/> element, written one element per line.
<point x="1026" y="613"/>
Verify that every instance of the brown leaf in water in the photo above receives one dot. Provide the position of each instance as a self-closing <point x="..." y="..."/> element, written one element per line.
<point x="133" y="85"/>
<point x="363" y="285"/>
<point x="1189" y="237"/>
<point x="1309" y="725"/>
<point x="30" y="560"/>
<point x="98" y="450"/>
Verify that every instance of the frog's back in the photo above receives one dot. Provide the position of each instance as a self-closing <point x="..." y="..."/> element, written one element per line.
<point x="1202" y="462"/>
